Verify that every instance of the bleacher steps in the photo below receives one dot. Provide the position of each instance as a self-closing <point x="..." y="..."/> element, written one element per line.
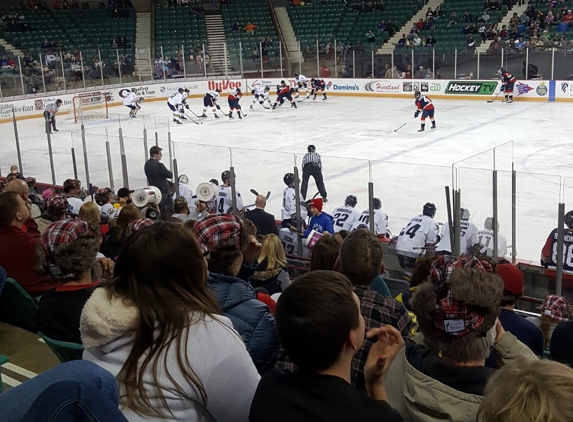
<point x="216" y="40"/>
<point x="11" y="49"/>
<point x="290" y="40"/>
<point x="143" y="44"/>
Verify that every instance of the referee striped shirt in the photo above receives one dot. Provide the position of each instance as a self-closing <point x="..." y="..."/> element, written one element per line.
<point x="311" y="157"/>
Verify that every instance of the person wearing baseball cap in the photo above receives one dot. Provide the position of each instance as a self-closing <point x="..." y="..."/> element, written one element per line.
<point x="230" y="245"/>
<point x="67" y="254"/>
<point x="442" y="372"/>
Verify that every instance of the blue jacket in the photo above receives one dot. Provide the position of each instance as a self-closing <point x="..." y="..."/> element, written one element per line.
<point x="250" y="317"/>
<point x="321" y="223"/>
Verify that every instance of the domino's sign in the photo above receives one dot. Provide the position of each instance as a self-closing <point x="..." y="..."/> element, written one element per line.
<point x="336" y="87"/>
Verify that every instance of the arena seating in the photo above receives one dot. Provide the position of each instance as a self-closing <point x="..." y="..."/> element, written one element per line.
<point x="176" y="27"/>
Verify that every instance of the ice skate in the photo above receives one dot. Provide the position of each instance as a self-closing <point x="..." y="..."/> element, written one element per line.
<point x="177" y="121"/>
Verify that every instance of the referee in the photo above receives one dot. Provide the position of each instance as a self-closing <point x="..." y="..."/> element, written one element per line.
<point x="50" y="115"/>
<point x="312" y="166"/>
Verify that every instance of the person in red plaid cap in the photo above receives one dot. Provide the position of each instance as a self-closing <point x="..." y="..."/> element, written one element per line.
<point x="440" y="374"/>
<point x="231" y="245"/>
<point x="55" y="209"/>
<point x="68" y="254"/>
<point x="555" y="309"/>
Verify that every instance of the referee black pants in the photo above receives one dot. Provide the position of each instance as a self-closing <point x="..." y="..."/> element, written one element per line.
<point x="312" y="169"/>
<point x="49" y="121"/>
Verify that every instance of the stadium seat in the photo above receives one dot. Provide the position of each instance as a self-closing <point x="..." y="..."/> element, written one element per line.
<point x="17" y="307"/>
<point x="3" y="360"/>
<point x="64" y="350"/>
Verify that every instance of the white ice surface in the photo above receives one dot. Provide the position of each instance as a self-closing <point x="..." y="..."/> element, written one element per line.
<point x="408" y="168"/>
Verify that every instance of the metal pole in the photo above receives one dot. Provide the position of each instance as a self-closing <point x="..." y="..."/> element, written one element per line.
<point x="353" y="63"/>
<point x="146" y="152"/>
<point x="204" y="63"/>
<point x="261" y="58"/>
<point x="241" y="57"/>
<point x="176" y="175"/>
<point x="74" y="164"/>
<point x="434" y="63"/>
<point x="526" y="63"/>
<point x="82" y="65"/>
<point x="101" y="68"/>
<point x="151" y="64"/>
<point x="513" y="215"/>
<point x="477" y="73"/>
<point x="109" y="166"/>
<point x="139" y="65"/>
<point x="184" y="64"/>
<point x="450" y="220"/>
<point x="372" y="63"/>
<point x="299" y="61"/>
<point x="552" y="61"/>
<point x="49" y="137"/>
<point x="42" y="70"/>
<point x="163" y="65"/>
<point x="123" y="160"/>
<point x="335" y="60"/>
<point x="84" y="146"/>
<point x="317" y="60"/>
<point x="226" y="68"/>
<point x="63" y="73"/>
<point x="502" y="54"/>
<point x="281" y="57"/>
<point x="119" y="67"/>
<point x="1" y="95"/>
<point x="298" y="216"/>
<point x="21" y="75"/>
<point x="17" y="138"/>
<point x="233" y="190"/>
<point x="560" y="236"/>
<point x="456" y="249"/>
<point x="371" y="207"/>
<point x="170" y="148"/>
<point x="413" y="67"/>
<point x="456" y="63"/>
<point x="392" y="65"/>
<point x="495" y="218"/>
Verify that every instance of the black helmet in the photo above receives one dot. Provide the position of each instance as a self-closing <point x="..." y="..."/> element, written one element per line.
<point x="187" y="90"/>
<point x="133" y="89"/>
<point x="180" y="90"/>
<point x="288" y="179"/>
<point x="226" y="175"/>
<point x="465" y="214"/>
<point x="417" y="93"/>
<point x="214" y="181"/>
<point x="311" y="148"/>
<point x="296" y="75"/>
<point x="283" y="82"/>
<point x="429" y="209"/>
<point x="218" y="90"/>
<point x="351" y="201"/>
<point x="59" y="102"/>
<point x="569" y="219"/>
<point x="377" y="203"/>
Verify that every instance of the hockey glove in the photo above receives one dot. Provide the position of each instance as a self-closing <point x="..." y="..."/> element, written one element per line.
<point x="218" y="107"/>
<point x="417" y="113"/>
<point x="187" y="106"/>
<point x="502" y="88"/>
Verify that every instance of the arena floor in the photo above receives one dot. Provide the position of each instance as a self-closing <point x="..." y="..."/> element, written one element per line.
<point x="408" y="168"/>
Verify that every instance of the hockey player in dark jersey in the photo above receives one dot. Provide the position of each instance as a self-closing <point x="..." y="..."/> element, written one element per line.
<point x="424" y="105"/>
<point x="283" y="92"/>
<point x="507" y="84"/>
<point x="233" y="100"/>
<point x="318" y="85"/>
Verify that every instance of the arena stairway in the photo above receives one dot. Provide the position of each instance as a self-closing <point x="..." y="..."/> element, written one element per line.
<point x="290" y="39"/>
<point x="143" y="44"/>
<point x="216" y="40"/>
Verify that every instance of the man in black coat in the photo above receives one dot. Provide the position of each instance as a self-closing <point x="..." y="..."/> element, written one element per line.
<point x="263" y="221"/>
<point x="157" y="175"/>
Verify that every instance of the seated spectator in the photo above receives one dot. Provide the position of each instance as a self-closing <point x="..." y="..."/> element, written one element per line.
<point x="416" y="41"/>
<point x="72" y="189"/>
<point x="442" y="372"/>
<point x="529" y="391"/>
<point x="322" y="341"/>
<point x="568" y="17"/>
<point x="68" y="254"/>
<point x="403" y="42"/>
<point x="471" y="44"/>
<point x="484" y="18"/>
<point x="519" y="44"/>
<point x="325" y="251"/>
<point x="370" y="37"/>
<point x="231" y="245"/>
<point x="561" y="345"/>
<point x="250" y="28"/>
<point x="420" y="24"/>
<point x="430" y="41"/>
<point x="55" y="209"/>
<point x="263" y="221"/>
<point x="467" y="18"/>
<point x="420" y="73"/>
<point x="550" y="19"/>
<point x="555" y="309"/>
<point x="18" y="246"/>
<point x="159" y="331"/>
<point x="271" y="274"/>
<point x="391" y="27"/>
<point x="382" y="26"/>
<point x="22" y="189"/>
<point x="117" y="236"/>
<point x="181" y="208"/>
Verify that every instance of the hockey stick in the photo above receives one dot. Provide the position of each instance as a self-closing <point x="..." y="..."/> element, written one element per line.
<point x="195" y="114"/>
<point x="494" y="98"/>
<point x="254" y="192"/>
<point x="396" y="130"/>
<point x="193" y="120"/>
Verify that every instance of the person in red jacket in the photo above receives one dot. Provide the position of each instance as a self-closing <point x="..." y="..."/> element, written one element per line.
<point x="18" y="247"/>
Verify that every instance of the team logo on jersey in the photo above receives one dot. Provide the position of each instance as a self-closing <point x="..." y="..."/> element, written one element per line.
<point x="523" y="88"/>
<point x="564" y="86"/>
<point x="471" y="88"/>
<point x="541" y="89"/>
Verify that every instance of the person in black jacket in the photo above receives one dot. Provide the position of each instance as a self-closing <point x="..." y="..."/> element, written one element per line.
<point x="263" y="221"/>
<point x="157" y="175"/>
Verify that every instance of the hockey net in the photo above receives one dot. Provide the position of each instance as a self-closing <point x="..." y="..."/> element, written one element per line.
<point x="91" y="105"/>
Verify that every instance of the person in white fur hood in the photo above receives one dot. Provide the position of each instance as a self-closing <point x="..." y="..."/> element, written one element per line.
<point x="159" y="330"/>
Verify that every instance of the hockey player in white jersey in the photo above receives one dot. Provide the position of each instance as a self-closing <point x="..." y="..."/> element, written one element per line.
<point x="131" y="102"/>
<point x="185" y="191"/>
<point x="261" y="94"/>
<point x="224" y="199"/>
<point x="485" y="239"/>
<point x="468" y="232"/>
<point x="175" y="103"/>
<point x="184" y="104"/>
<point x="301" y="84"/>
<point x="289" y="241"/>
<point x="210" y="101"/>
<point x="288" y="210"/>
<point x="344" y="218"/>
<point x="380" y="219"/>
<point x="420" y="233"/>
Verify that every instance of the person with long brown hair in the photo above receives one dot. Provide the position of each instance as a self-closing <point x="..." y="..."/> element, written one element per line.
<point x="157" y="327"/>
<point x="118" y="235"/>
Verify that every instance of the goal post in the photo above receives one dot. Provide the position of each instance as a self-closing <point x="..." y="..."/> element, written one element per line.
<point x="92" y="105"/>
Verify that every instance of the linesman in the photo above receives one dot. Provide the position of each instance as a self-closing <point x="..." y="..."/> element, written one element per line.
<point x="312" y="166"/>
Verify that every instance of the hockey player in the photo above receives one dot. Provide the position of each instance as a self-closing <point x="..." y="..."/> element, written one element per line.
<point x="210" y="101"/>
<point x="184" y="102"/>
<point x="185" y="191"/>
<point x="468" y="232"/>
<point x="261" y="94"/>
<point x="420" y="233"/>
<point x="288" y="211"/>
<point x="346" y="216"/>
<point x="224" y="199"/>
<point x="485" y="239"/>
<point x="284" y="93"/>
<point x="233" y="100"/>
<point x="50" y="115"/>
<point x="318" y="85"/>
<point x="380" y="219"/>
<point x="507" y="84"/>
<point x="130" y="101"/>
<point x="175" y="103"/>
<point x="424" y="105"/>
<point x="301" y="84"/>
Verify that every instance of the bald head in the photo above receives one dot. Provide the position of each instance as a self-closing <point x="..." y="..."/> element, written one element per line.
<point x="19" y="186"/>
<point x="261" y="201"/>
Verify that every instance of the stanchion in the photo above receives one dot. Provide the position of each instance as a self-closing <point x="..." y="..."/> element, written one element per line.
<point x="74" y="164"/>
<point x="298" y="216"/>
<point x="176" y="175"/>
<point x="371" y="207"/>
<point x="560" y="239"/>
<point x="86" y="165"/>
<point x="123" y="160"/>
<point x="109" y="167"/>
<point x="233" y="190"/>
<point x="17" y="138"/>
<point x="49" y="137"/>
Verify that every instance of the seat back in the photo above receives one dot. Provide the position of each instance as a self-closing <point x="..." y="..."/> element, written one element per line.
<point x="3" y="360"/>
<point x="17" y="307"/>
<point x="64" y="350"/>
<point x="396" y="286"/>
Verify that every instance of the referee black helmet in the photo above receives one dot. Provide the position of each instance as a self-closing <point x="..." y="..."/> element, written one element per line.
<point x="311" y="148"/>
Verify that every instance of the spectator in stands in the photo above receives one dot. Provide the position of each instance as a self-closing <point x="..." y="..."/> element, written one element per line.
<point x="419" y="25"/>
<point x="430" y="41"/>
<point x="471" y="44"/>
<point x="68" y="254"/>
<point x="236" y="27"/>
<point x="57" y="6"/>
<point x="561" y="345"/>
<point x="550" y="19"/>
<point x="403" y="42"/>
<point x="55" y="209"/>
<point x="360" y="260"/>
<point x="181" y="208"/>
<point x="420" y="73"/>
<point x="444" y="370"/>
<point x="160" y="289"/>
<point x="263" y="221"/>
<point x="555" y="309"/>
<point x="370" y="37"/>
<point x="322" y="342"/>
<point x="50" y="60"/>
<point x="529" y="391"/>
<point x="21" y="188"/>
<point x="271" y="274"/>
<point x="325" y="251"/>
<point x="467" y="18"/>
<point x="157" y="175"/>
<point x="453" y="19"/>
<point x="524" y="19"/>
<point x="72" y="189"/>
<point x="250" y="28"/>
<point x="382" y="26"/>
<point x="416" y="41"/>
<point x="484" y="18"/>
<point x="18" y="246"/>
<point x="391" y="27"/>
<point x="232" y="246"/>
<point x="117" y="236"/>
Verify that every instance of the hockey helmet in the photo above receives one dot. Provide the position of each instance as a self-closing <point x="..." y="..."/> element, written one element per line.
<point x="429" y="209"/>
<point x="283" y="82"/>
<point x="180" y="90"/>
<point x="187" y="90"/>
<point x="500" y="70"/>
<point x="267" y="88"/>
<point x="488" y="223"/>
<point x="184" y="179"/>
<point x="59" y="102"/>
<point x="351" y="201"/>
<point x="134" y="90"/>
<point x="465" y="214"/>
<point x="217" y="90"/>
<point x="226" y="175"/>
<point x="377" y="203"/>
<point x="417" y="94"/>
<point x="313" y="80"/>
<point x="288" y="179"/>
<point x="311" y="148"/>
<point x="296" y="75"/>
<point x="214" y="181"/>
<point x="569" y="219"/>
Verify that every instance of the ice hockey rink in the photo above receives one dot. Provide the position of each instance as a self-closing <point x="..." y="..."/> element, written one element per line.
<point x="356" y="139"/>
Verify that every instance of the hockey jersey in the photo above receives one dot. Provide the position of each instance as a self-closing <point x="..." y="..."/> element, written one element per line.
<point x="214" y="95"/>
<point x="469" y="237"/>
<point x="235" y="95"/>
<point x="380" y="222"/>
<point x="289" y="205"/>
<point x="175" y="99"/>
<point x="129" y="99"/>
<point x="424" y="103"/>
<point x="224" y="200"/>
<point x="289" y="241"/>
<point x="52" y="108"/>
<point x="420" y="231"/>
<point x="507" y="78"/>
<point x="283" y="89"/>
<point x="485" y="239"/>
<point x="343" y="218"/>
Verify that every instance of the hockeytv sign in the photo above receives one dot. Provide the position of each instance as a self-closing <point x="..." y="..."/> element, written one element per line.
<point x="471" y="88"/>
